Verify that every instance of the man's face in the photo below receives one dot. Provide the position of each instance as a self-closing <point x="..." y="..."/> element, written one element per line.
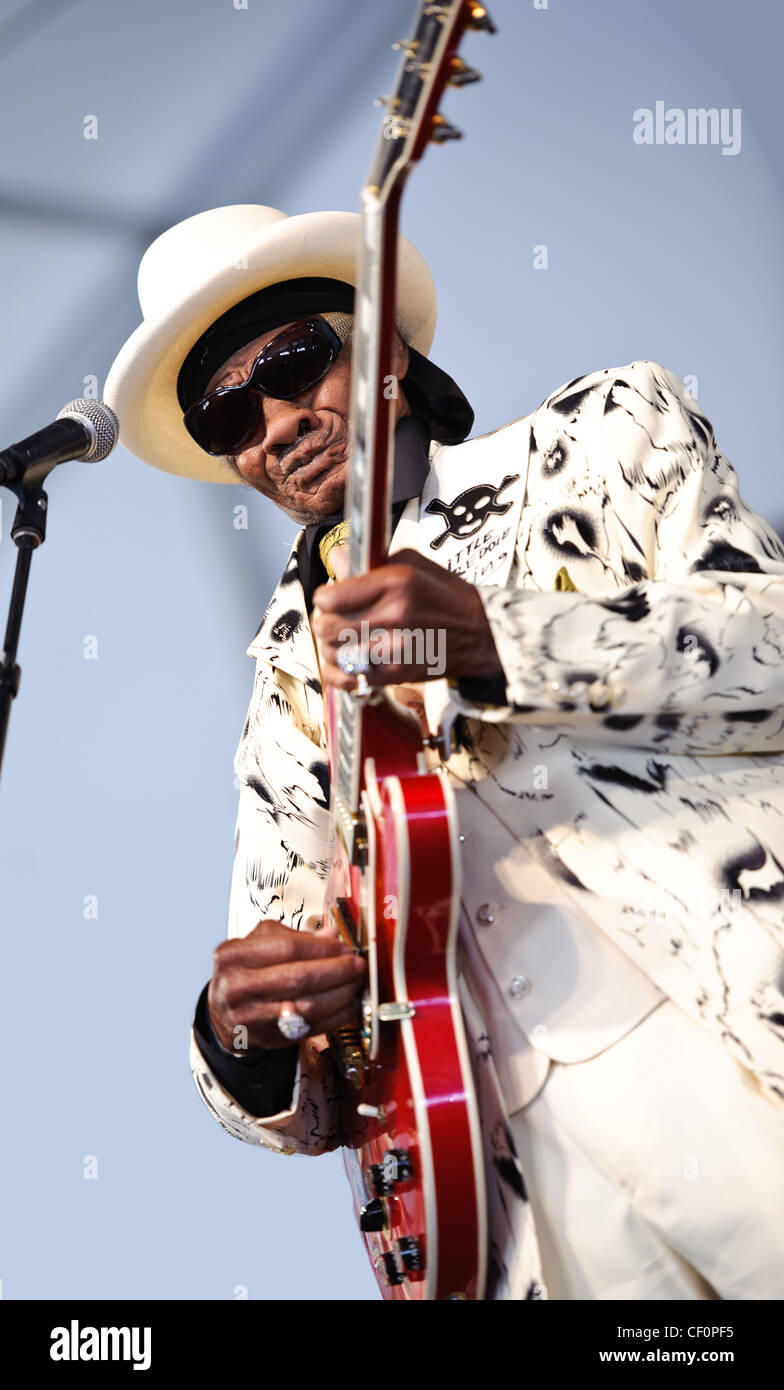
<point x="298" y="456"/>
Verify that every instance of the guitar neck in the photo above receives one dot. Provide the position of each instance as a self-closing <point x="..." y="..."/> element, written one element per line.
<point x="429" y="64"/>
<point x="372" y="422"/>
<point x="373" y="386"/>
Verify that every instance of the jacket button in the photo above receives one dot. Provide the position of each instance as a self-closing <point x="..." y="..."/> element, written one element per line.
<point x="519" y="986"/>
<point x="599" y="694"/>
<point x="485" y="915"/>
<point x="578" y="694"/>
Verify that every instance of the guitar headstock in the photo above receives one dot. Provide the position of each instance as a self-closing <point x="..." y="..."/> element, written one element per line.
<point x="430" y="63"/>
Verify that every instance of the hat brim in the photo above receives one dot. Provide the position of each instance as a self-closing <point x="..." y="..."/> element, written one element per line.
<point x="141" y="386"/>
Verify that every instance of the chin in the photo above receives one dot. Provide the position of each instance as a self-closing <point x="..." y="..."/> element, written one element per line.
<point x="325" y="501"/>
<point x="316" y="509"/>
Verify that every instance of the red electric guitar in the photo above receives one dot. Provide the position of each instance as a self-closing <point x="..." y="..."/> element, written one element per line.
<point x="413" y="1144"/>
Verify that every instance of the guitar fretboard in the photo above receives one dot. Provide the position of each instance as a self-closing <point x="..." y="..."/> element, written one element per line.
<point x="371" y="439"/>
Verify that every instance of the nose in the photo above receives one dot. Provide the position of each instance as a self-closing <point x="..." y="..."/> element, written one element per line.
<point x="284" y="422"/>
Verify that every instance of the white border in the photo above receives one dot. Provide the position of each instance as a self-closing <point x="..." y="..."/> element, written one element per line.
<point x="477" y="1147"/>
<point x="397" y="804"/>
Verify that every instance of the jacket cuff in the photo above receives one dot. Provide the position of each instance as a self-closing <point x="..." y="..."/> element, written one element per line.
<point x="539" y="687"/>
<point x="480" y="697"/>
<point x="483" y="690"/>
<point x="261" y="1080"/>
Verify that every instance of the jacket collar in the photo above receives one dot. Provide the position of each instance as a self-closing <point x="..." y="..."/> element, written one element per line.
<point x="284" y="639"/>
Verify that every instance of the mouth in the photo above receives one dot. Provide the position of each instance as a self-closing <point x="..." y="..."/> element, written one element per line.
<point x="313" y="464"/>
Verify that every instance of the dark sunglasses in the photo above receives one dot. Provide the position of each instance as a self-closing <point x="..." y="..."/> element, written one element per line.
<point x="287" y="366"/>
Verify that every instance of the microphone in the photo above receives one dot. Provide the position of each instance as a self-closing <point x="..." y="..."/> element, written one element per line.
<point x="84" y="429"/>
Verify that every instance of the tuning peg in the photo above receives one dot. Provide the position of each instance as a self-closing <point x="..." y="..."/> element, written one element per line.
<point x="443" y="131"/>
<point x="408" y="46"/>
<point x="392" y="102"/>
<point x="480" y="19"/>
<point x="462" y="74"/>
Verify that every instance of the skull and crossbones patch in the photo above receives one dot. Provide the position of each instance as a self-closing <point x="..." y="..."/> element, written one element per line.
<point x="469" y="511"/>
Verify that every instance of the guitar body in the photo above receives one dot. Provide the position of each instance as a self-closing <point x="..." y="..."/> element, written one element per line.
<point x="413" y="1145"/>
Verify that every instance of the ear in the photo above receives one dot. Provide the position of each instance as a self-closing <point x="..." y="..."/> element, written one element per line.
<point x="399" y="356"/>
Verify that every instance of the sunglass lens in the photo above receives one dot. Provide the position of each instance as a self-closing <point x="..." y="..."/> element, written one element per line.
<point x="298" y="358"/>
<point x="222" y="422"/>
<point x="298" y="361"/>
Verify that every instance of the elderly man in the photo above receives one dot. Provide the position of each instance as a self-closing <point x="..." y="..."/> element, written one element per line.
<point x="611" y="688"/>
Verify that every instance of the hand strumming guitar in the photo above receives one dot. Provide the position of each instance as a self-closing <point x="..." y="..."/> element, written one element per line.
<point x="254" y="975"/>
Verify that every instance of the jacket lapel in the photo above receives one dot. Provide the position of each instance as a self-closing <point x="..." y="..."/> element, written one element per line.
<point x="284" y="639"/>
<point x="471" y="504"/>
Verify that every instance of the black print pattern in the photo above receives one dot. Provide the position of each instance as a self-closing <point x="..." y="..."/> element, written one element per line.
<point x="662" y="813"/>
<point x="469" y="511"/>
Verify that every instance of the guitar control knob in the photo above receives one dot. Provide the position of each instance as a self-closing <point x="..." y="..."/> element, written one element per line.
<point x="410" y="1252"/>
<point x="397" y="1166"/>
<point x="373" y="1216"/>
<point x="377" y="1180"/>
<point x="392" y="1271"/>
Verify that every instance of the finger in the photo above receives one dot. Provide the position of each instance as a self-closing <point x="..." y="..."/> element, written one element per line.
<point x="321" y="1013"/>
<point x="294" y="980"/>
<point x="353" y="595"/>
<point x="381" y="637"/>
<point x="322" y="1006"/>
<point x="265" y="947"/>
<point x="261" y="1013"/>
<point x="344" y="1019"/>
<point x="333" y="629"/>
<point x="269" y="1036"/>
<point x="389" y="674"/>
<point x="333" y="675"/>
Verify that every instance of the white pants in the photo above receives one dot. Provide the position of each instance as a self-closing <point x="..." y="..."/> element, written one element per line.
<point x="656" y="1171"/>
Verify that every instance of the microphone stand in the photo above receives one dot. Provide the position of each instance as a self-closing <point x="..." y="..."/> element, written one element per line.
<point x="27" y="532"/>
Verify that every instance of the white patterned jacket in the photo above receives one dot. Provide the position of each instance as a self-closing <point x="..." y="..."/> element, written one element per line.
<point x="634" y="781"/>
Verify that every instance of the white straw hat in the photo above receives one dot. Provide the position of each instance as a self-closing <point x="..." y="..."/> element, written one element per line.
<point x="200" y="268"/>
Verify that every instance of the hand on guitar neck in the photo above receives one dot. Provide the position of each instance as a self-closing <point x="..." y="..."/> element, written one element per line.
<point x="420" y="621"/>
<point x="254" y="975"/>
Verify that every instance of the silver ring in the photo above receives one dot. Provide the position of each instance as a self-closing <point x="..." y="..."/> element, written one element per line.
<point x="353" y="658"/>
<point x="292" y="1025"/>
